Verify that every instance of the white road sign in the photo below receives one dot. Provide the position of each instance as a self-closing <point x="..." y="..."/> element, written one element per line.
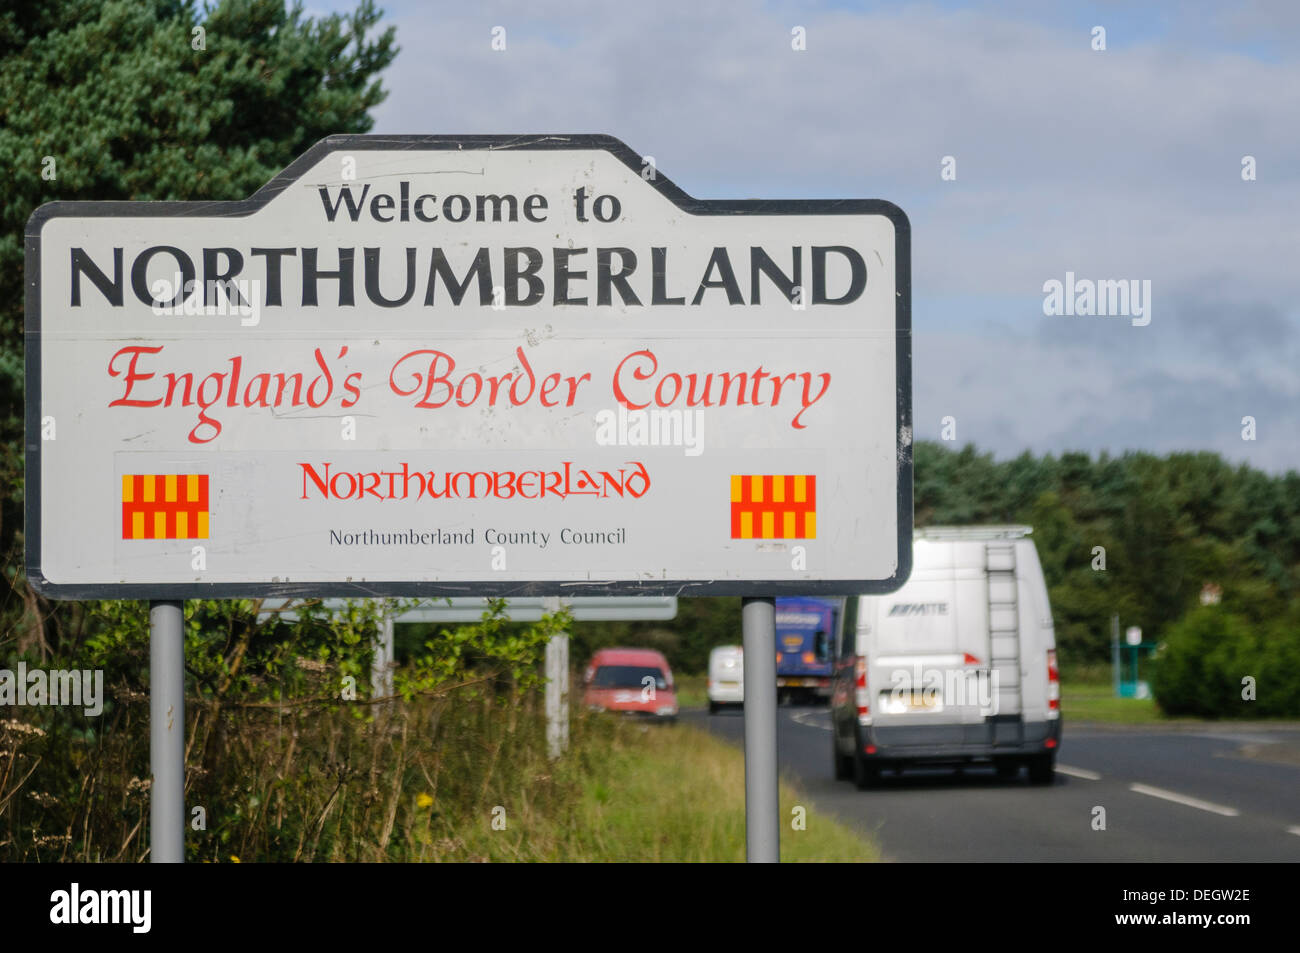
<point x="468" y="366"/>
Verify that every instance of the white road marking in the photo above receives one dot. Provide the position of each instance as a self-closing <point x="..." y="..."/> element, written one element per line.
<point x="1083" y="773"/>
<point x="1294" y="829"/>
<point x="799" y="717"/>
<point x="1184" y="800"/>
<point x="1238" y="739"/>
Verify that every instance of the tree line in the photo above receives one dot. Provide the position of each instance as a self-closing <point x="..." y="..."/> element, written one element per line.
<point x="1135" y="535"/>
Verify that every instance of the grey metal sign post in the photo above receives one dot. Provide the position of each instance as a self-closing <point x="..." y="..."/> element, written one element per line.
<point x="762" y="794"/>
<point x="167" y="732"/>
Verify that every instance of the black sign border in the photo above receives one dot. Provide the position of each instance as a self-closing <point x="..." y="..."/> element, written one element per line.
<point x="374" y="589"/>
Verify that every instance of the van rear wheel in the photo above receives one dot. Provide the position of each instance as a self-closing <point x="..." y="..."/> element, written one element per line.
<point x="866" y="775"/>
<point x="1007" y="768"/>
<point x="1042" y="768"/>
<point x="843" y="765"/>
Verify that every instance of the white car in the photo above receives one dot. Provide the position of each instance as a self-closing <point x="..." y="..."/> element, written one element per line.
<point x="726" y="677"/>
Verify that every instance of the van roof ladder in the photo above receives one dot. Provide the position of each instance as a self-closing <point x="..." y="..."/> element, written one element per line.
<point x="971" y="533"/>
<point x="1004" y="633"/>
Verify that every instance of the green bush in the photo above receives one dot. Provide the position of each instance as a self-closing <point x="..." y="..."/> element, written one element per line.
<point x="1278" y="681"/>
<point x="288" y="753"/>
<point x="1207" y="657"/>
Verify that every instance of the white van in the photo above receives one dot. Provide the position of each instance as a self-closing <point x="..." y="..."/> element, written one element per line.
<point x="958" y="665"/>
<point x="726" y="677"/>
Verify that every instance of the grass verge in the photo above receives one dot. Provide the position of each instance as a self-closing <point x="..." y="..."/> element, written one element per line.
<point x="461" y="776"/>
<point x="674" y="793"/>
<point x="1096" y="701"/>
<point x="692" y="690"/>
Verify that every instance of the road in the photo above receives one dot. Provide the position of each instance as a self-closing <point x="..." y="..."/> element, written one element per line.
<point x="1218" y="793"/>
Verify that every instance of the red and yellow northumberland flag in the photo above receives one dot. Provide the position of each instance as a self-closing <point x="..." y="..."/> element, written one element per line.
<point x="170" y="506"/>
<point x="773" y="507"/>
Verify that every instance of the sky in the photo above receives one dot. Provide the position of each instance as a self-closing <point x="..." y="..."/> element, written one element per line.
<point x="1122" y="163"/>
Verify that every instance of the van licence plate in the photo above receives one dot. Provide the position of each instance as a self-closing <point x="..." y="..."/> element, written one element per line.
<point x="921" y="700"/>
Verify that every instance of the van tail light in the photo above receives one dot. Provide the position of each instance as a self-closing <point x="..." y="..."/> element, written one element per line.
<point x="809" y="658"/>
<point x="861" y="697"/>
<point x="1053" y="685"/>
<point x="779" y="656"/>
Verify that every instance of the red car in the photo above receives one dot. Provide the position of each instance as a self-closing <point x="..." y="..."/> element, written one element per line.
<point x="635" y="681"/>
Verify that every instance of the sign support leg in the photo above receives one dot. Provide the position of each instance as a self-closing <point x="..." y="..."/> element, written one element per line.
<point x="557" y="687"/>
<point x="167" y="732"/>
<point x="381" y="665"/>
<point x="762" y="803"/>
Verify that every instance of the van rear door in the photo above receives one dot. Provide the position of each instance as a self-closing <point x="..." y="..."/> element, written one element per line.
<point x="930" y="651"/>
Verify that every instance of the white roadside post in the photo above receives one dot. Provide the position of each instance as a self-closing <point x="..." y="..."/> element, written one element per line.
<point x="381" y="665"/>
<point x="1114" y="653"/>
<point x="557" y="686"/>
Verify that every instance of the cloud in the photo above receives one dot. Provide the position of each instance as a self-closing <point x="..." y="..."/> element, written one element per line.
<point x="1121" y="395"/>
<point x="1117" y="164"/>
<point x="1239" y="329"/>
